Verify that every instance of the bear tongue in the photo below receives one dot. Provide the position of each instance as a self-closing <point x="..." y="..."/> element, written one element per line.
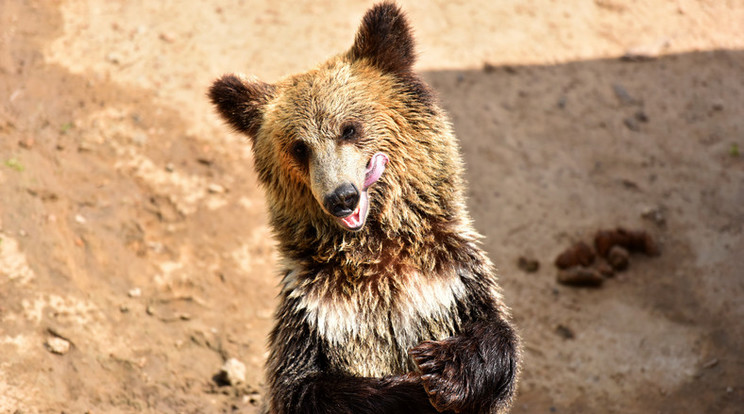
<point x="353" y="220"/>
<point x="375" y="169"/>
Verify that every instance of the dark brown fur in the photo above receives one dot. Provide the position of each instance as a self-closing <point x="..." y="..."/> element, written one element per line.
<point x="404" y="315"/>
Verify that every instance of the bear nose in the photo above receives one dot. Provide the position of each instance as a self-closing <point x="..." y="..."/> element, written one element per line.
<point x="343" y="200"/>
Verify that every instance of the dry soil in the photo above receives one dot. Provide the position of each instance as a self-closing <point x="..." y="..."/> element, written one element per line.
<point x="132" y="228"/>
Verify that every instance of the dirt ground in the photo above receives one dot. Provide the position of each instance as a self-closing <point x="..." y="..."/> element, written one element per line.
<point x="132" y="227"/>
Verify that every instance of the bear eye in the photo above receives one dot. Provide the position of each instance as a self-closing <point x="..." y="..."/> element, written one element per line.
<point x="300" y="151"/>
<point x="350" y="131"/>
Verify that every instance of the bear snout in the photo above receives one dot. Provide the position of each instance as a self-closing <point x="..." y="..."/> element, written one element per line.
<point x="343" y="200"/>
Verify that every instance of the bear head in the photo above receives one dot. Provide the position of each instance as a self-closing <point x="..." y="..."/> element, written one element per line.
<point x="355" y="141"/>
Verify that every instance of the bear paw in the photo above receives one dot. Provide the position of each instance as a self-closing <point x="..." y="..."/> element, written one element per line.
<point x="442" y="374"/>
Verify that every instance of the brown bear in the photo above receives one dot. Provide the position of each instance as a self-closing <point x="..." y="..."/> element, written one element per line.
<point x="387" y="304"/>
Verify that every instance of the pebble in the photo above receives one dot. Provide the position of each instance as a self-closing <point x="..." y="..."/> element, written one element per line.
<point x="527" y="264"/>
<point x="562" y="102"/>
<point x="623" y="96"/>
<point x="58" y="345"/>
<point x="216" y="188"/>
<point x="26" y="143"/>
<point x="632" y="124"/>
<point x="578" y="254"/>
<point x="646" y="52"/>
<point x="579" y="276"/>
<point x="640" y="116"/>
<point x="85" y="147"/>
<point x="114" y="58"/>
<point x="564" y="332"/>
<point x="232" y="372"/>
<point x="134" y="293"/>
<point x="654" y="214"/>
<point x="167" y="37"/>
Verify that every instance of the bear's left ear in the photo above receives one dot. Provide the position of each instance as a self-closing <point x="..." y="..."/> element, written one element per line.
<point x="241" y="103"/>
<point x="384" y="40"/>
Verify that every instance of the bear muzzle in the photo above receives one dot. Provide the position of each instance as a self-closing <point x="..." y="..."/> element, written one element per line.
<point x="351" y="206"/>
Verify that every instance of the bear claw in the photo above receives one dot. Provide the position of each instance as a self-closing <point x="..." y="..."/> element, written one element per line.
<point x="441" y="375"/>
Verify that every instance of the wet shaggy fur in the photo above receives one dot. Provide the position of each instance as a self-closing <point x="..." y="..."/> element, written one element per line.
<point x="404" y="315"/>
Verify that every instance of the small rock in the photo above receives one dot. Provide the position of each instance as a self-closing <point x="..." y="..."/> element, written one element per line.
<point x="85" y="147"/>
<point x="231" y="373"/>
<point x="169" y="167"/>
<point x="254" y="399"/>
<point x="656" y="215"/>
<point x="618" y="257"/>
<point x="632" y="124"/>
<point x="578" y="254"/>
<point x="135" y="292"/>
<point x="646" y="52"/>
<point x="630" y="184"/>
<point x="562" y="102"/>
<point x="205" y="161"/>
<point x="114" y="58"/>
<point x="580" y="277"/>
<point x="80" y="219"/>
<point x="640" y="116"/>
<point x="26" y="143"/>
<point x="216" y="188"/>
<point x="623" y="96"/>
<point x="636" y="56"/>
<point x="167" y="37"/>
<point x="58" y="345"/>
<point x="564" y="332"/>
<point x="527" y="264"/>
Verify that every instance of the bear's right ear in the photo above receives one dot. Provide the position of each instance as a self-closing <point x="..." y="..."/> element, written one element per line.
<point x="241" y="102"/>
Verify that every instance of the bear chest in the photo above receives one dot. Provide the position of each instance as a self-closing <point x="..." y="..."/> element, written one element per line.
<point x="369" y="330"/>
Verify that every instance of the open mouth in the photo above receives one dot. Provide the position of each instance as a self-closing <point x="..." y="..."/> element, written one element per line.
<point x="375" y="168"/>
